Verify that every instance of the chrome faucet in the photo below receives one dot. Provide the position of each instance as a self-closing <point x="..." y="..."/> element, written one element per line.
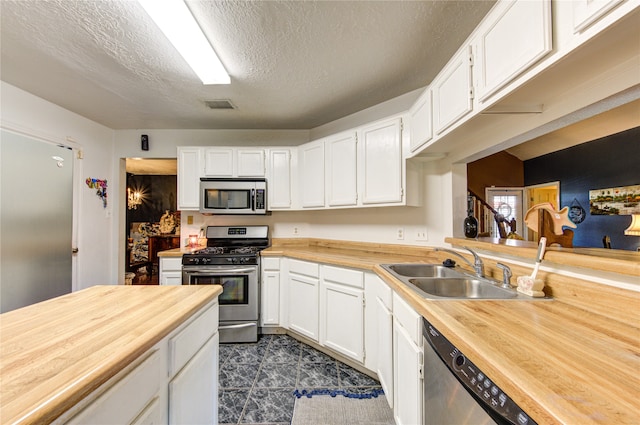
<point x="506" y="275"/>
<point x="477" y="265"/>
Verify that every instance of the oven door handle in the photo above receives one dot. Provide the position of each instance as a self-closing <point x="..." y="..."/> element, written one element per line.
<point x="222" y="271"/>
<point x="240" y="326"/>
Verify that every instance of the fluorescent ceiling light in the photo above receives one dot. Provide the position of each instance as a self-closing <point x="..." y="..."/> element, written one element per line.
<point x="176" y="22"/>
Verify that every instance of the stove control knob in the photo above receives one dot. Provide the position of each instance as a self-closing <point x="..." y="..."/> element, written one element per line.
<point x="229" y="260"/>
<point x="196" y="260"/>
<point x="206" y="260"/>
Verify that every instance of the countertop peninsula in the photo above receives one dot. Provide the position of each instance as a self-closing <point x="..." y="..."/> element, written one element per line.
<point x="55" y="353"/>
<point x="568" y="360"/>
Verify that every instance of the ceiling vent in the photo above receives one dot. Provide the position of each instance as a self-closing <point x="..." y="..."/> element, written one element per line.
<point x="219" y="104"/>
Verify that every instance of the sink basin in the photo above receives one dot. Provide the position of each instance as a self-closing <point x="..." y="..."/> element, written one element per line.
<point x="461" y="288"/>
<point x="434" y="281"/>
<point x="422" y="270"/>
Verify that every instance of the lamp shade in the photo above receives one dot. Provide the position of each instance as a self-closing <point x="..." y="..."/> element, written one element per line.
<point x="634" y="227"/>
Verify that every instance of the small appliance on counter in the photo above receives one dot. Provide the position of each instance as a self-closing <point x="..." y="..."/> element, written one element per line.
<point x="231" y="259"/>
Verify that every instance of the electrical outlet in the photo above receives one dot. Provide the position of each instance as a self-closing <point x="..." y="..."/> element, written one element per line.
<point x="295" y="231"/>
<point x="400" y="233"/>
<point x="421" y="235"/>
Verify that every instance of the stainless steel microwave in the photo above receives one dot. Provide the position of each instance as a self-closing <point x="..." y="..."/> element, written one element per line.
<point x="233" y="196"/>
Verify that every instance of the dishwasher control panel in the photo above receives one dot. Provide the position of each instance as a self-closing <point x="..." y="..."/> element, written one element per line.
<point x="494" y="401"/>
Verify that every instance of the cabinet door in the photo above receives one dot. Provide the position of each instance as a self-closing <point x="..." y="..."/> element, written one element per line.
<point x="342" y="327"/>
<point x="279" y="179"/>
<point x="452" y="95"/>
<point x="251" y="163"/>
<point x="218" y="162"/>
<point x="193" y="393"/>
<point x="303" y="305"/>
<point x="189" y="173"/>
<point x="407" y="375"/>
<point x="312" y="175"/>
<point x="384" y="351"/>
<point x="130" y="396"/>
<point x="270" y="308"/>
<point x="421" y="129"/>
<point x="170" y="278"/>
<point x="381" y="162"/>
<point x="586" y="12"/>
<point x="518" y="36"/>
<point x="341" y="170"/>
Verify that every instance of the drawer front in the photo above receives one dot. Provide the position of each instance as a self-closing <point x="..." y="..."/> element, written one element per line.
<point x="129" y="397"/>
<point x="270" y="263"/>
<point x="408" y="319"/>
<point x="304" y="267"/>
<point x="171" y="263"/>
<point x="354" y="278"/>
<point x="188" y="341"/>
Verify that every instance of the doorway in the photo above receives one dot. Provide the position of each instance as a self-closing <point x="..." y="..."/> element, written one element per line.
<point x="152" y="221"/>
<point x="514" y="202"/>
<point x="507" y="201"/>
<point x="538" y="194"/>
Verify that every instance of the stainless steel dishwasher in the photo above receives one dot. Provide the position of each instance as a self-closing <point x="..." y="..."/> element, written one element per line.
<point x="457" y="392"/>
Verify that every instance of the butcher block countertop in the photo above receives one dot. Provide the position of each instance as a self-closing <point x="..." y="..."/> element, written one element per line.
<point x="55" y="353"/>
<point x="574" y="359"/>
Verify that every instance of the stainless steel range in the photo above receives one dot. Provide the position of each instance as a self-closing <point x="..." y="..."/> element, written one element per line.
<point x="231" y="259"/>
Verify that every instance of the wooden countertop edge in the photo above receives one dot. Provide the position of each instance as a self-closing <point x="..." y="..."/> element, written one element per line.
<point x="614" y="261"/>
<point x="72" y="392"/>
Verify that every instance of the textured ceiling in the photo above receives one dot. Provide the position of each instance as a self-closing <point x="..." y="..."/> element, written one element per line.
<point x="293" y="64"/>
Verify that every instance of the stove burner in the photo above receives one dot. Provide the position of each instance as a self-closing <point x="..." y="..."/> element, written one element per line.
<point x="245" y="250"/>
<point x="211" y="250"/>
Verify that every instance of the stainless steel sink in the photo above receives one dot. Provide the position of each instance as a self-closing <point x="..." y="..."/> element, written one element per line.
<point x="461" y="288"/>
<point x="435" y="281"/>
<point x="423" y="270"/>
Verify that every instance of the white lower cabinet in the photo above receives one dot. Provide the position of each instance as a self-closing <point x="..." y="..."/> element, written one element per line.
<point x="407" y="363"/>
<point x="379" y="332"/>
<point x="270" y="292"/>
<point x="170" y="271"/>
<point x="192" y="397"/>
<point x="175" y="382"/>
<point x="304" y="284"/>
<point x="342" y="311"/>
<point x="131" y="395"/>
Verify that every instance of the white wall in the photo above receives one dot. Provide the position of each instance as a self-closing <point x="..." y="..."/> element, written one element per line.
<point x="96" y="230"/>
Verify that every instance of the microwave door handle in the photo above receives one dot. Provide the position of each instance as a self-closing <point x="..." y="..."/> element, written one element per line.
<point x="253" y="199"/>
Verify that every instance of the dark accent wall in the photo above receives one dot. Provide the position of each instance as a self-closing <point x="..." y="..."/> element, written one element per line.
<point x="500" y="169"/>
<point x="611" y="161"/>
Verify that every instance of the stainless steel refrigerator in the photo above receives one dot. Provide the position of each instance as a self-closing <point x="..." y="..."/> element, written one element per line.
<point x="36" y="215"/>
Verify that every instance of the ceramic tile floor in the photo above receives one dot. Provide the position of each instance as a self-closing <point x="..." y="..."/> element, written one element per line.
<point x="257" y="381"/>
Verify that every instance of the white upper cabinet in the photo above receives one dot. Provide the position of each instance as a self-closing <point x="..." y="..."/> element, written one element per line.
<point x="189" y="171"/>
<point x="381" y="162"/>
<point x="279" y="178"/>
<point x="312" y="174"/>
<point x="234" y="162"/>
<point x="452" y="91"/>
<point x="507" y="45"/>
<point x="586" y="12"/>
<point x="341" y="169"/>
<point x="250" y="163"/>
<point x="421" y="127"/>
<point x="218" y="162"/>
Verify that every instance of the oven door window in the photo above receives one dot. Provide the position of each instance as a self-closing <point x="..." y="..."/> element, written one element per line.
<point x="235" y="288"/>
<point x="227" y="199"/>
